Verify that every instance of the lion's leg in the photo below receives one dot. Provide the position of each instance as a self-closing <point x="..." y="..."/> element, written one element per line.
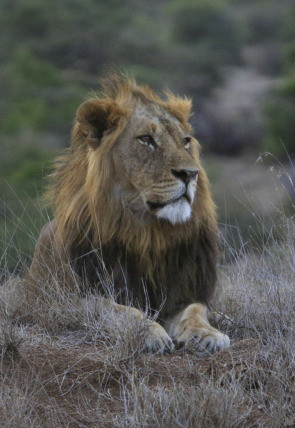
<point x="192" y="325"/>
<point x="157" y="339"/>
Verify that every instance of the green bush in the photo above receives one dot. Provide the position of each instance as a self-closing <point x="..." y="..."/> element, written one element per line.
<point x="208" y="23"/>
<point x="266" y="22"/>
<point x="23" y="170"/>
<point x="289" y="55"/>
<point x="23" y="167"/>
<point x="280" y="114"/>
<point x="40" y="97"/>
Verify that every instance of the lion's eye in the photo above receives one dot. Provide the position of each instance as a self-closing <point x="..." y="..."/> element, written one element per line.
<point x="186" y="142"/>
<point x="147" y="140"/>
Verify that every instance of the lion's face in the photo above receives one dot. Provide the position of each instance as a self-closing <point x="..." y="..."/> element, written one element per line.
<point x="146" y="148"/>
<point x="154" y="167"/>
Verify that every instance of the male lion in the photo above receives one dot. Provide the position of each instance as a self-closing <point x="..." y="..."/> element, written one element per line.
<point x="131" y="197"/>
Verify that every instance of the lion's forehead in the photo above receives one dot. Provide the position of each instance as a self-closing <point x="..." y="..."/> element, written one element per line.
<point x="156" y="120"/>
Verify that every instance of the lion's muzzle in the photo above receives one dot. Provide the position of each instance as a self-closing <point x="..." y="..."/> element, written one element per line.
<point x="172" y="198"/>
<point x="185" y="175"/>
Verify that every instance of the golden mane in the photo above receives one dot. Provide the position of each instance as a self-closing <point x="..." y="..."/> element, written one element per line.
<point x="81" y="184"/>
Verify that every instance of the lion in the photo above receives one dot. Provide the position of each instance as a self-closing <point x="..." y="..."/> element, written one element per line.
<point x="131" y="198"/>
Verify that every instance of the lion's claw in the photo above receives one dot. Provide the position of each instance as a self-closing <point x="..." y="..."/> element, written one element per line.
<point x="203" y="339"/>
<point x="158" y="341"/>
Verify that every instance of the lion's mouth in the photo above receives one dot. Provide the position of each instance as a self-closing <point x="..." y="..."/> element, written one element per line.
<point x="158" y="205"/>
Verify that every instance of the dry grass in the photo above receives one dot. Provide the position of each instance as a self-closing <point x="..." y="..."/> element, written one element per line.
<point x="63" y="365"/>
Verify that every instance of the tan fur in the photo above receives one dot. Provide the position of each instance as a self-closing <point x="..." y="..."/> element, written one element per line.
<point x="108" y="191"/>
<point x="193" y="323"/>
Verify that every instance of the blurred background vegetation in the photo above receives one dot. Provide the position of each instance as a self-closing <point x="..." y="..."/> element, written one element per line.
<point x="235" y="58"/>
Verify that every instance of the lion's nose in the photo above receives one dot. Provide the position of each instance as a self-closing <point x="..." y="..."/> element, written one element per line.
<point x="185" y="175"/>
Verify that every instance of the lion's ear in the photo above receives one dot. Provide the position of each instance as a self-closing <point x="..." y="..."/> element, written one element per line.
<point x="179" y="107"/>
<point x="94" y="117"/>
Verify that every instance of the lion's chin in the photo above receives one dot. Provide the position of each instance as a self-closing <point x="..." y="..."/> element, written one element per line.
<point x="176" y="212"/>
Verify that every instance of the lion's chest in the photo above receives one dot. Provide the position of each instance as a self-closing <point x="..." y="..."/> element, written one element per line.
<point x="142" y="280"/>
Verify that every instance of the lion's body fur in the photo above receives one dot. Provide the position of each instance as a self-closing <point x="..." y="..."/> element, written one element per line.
<point x="149" y="259"/>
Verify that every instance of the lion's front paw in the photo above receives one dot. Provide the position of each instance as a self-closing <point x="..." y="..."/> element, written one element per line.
<point x="204" y="338"/>
<point x="158" y="340"/>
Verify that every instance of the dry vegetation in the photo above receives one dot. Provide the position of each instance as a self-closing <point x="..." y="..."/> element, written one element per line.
<point x="64" y="366"/>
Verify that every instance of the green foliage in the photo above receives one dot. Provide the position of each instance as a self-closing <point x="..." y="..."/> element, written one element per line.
<point x="26" y="169"/>
<point x="280" y="113"/>
<point x="266" y="21"/>
<point x="280" y="109"/>
<point x="39" y="96"/>
<point x="54" y="51"/>
<point x="289" y="55"/>
<point x="34" y="72"/>
<point x="207" y="25"/>
<point x="20" y="223"/>
<point x="204" y="37"/>
<point x="23" y="168"/>
<point x="288" y="27"/>
<point x="83" y="34"/>
<point x="23" y="171"/>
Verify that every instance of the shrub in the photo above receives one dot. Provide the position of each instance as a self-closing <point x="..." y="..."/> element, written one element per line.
<point x="209" y="24"/>
<point x="280" y="113"/>
<point x="266" y="22"/>
<point x="40" y="97"/>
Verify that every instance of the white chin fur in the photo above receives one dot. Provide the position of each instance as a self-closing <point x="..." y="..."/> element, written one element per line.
<point x="177" y="212"/>
<point x="191" y="190"/>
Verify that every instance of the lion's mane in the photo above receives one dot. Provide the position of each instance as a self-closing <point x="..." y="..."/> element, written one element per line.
<point x="173" y="264"/>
